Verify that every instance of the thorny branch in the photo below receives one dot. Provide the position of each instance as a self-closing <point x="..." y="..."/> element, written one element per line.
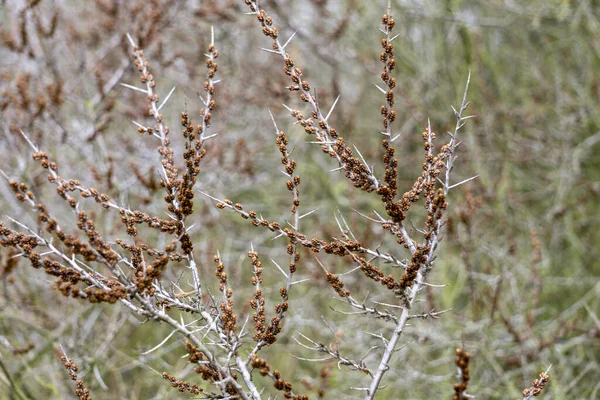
<point x="214" y="342"/>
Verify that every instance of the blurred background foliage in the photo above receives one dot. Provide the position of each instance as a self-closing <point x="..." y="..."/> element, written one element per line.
<point x="520" y="255"/>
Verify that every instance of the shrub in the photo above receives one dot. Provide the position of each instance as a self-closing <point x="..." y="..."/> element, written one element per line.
<point x="151" y="240"/>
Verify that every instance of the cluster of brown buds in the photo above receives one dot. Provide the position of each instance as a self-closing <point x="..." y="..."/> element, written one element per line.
<point x="388" y="191"/>
<point x="290" y="165"/>
<point x="206" y="370"/>
<point x="17" y="351"/>
<point x="418" y="259"/>
<point x="462" y="362"/>
<point x="228" y="318"/>
<point x="182" y="386"/>
<point x="258" y="302"/>
<point x="81" y="391"/>
<point x="537" y="386"/>
<point x="337" y="284"/>
<point x="262" y="365"/>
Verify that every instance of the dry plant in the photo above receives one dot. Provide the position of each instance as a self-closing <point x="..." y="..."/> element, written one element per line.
<point x="148" y="263"/>
<point x="537" y="386"/>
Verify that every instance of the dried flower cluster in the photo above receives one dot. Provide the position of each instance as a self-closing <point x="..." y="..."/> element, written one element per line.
<point x="537" y="386"/>
<point x="81" y="391"/>
<point x="23" y="350"/>
<point x="462" y="362"/>
<point x="182" y="386"/>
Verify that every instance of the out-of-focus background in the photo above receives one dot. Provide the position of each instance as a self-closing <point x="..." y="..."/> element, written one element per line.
<point x="521" y="247"/>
